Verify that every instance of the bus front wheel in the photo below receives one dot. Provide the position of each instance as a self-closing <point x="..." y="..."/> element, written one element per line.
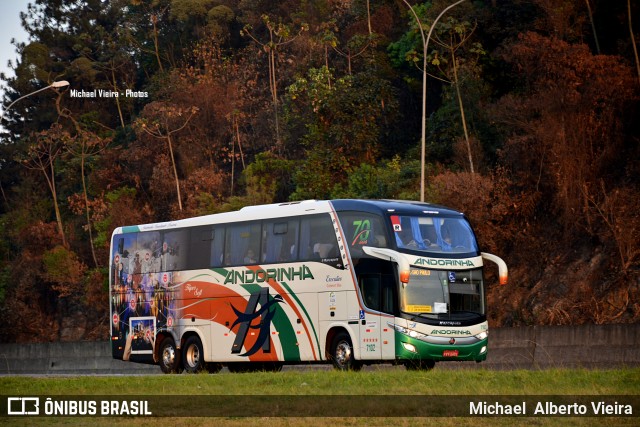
<point x="169" y="357"/>
<point x="342" y="353"/>
<point x="193" y="355"/>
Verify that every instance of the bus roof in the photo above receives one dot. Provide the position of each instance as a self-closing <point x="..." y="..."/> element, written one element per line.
<point x="307" y="207"/>
<point x="397" y="206"/>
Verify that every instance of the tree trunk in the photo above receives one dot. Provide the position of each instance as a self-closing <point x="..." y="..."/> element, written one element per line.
<point x="86" y="207"/>
<point x="593" y="26"/>
<point x="52" y="186"/>
<point x="633" y="39"/>
<point x="464" y="120"/>
<point x="175" y="171"/>
<point x="115" y="88"/>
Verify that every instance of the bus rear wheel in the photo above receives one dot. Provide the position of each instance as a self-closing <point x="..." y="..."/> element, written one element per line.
<point x="169" y="357"/>
<point x="342" y="353"/>
<point x="193" y="355"/>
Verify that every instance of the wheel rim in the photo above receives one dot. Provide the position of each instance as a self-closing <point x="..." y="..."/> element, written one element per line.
<point x="343" y="353"/>
<point x="193" y="356"/>
<point x="169" y="356"/>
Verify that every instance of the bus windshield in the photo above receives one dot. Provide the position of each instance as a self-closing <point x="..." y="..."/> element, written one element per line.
<point x="433" y="234"/>
<point x="443" y="295"/>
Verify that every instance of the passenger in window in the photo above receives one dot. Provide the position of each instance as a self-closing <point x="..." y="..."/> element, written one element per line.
<point x="380" y="241"/>
<point x="370" y="300"/>
<point x="405" y="239"/>
<point x="322" y="250"/>
<point x="250" y="257"/>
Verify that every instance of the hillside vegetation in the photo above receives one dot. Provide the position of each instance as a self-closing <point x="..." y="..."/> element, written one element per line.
<point x="178" y="108"/>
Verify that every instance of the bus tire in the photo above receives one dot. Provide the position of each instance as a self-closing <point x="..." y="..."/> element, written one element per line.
<point x="193" y="355"/>
<point x="342" y="353"/>
<point x="169" y="359"/>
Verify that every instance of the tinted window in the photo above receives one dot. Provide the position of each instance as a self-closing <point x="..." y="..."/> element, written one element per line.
<point x="280" y="240"/>
<point x="433" y="234"/>
<point x="362" y="229"/>
<point x="378" y="292"/>
<point x="201" y="239"/>
<point x="242" y="245"/>
<point x="248" y="243"/>
<point x="317" y="239"/>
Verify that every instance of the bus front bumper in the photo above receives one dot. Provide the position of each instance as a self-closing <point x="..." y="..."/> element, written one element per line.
<point x="408" y="348"/>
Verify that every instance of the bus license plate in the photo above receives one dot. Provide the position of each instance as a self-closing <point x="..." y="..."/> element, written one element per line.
<point x="450" y="353"/>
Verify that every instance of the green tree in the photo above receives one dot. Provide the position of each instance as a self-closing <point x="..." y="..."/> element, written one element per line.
<point x="453" y="56"/>
<point x="340" y="126"/>
<point x="389" y="179"/>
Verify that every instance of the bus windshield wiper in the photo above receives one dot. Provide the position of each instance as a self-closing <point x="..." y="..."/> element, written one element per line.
<point x="415" y="315"/>
<point x="419" y="315"/>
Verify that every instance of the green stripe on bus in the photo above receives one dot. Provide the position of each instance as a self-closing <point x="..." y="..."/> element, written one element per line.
<point x="221" y="271"/>
<point x="288" y="340"/>
<point x="304" y="309"/>
<point x="130" y="229"/>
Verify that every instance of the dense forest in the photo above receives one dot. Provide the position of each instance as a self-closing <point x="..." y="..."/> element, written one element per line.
<point x="178" y="108"/>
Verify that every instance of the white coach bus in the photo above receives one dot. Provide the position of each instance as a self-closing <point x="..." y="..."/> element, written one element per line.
<point x="350" y="282"/>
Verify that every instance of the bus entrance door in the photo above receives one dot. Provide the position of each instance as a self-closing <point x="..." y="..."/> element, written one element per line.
<point x="376" y="341"/>
<point x="378" y="292"/>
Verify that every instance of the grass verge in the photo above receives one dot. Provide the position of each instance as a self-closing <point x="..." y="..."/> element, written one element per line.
<point x="347" y="388"/>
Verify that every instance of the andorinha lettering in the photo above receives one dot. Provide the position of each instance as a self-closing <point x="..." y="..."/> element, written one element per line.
<point x="444" y="262"/>
<point x="451" y="332"/>
<point x="260" y="276"/>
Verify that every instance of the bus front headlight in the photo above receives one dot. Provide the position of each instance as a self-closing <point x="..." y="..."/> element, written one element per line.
<point x="409" y="347"/>
<point x="482" y="335"/>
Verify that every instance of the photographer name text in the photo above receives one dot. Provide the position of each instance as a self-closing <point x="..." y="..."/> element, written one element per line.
<point x="550" y="408"/>
<point x="103" y="93"/>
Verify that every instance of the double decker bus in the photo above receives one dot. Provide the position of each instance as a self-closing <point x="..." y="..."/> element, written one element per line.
<point x="350" y="282"/>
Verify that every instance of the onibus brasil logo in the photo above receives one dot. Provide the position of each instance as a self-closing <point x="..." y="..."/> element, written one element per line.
<point x="268" y="307"/>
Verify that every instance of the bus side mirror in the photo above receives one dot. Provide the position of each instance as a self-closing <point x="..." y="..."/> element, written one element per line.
<point x="502" y="266"/>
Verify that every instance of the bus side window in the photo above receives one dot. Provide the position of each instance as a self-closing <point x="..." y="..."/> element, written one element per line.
<point x="200" y="247"/>
<point x="242" y="244"/>
<point x="317" y="238"/>
<point x="378" y="292"/>
<point x="175" y="250"/>
<point x="146" y="252"/>
<point x="217" y="247"/>
<point x="280" y="241"/>
<point x="370" y="288"/>
<point x="388" y="294"/>
<point x="363" y="229"/>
